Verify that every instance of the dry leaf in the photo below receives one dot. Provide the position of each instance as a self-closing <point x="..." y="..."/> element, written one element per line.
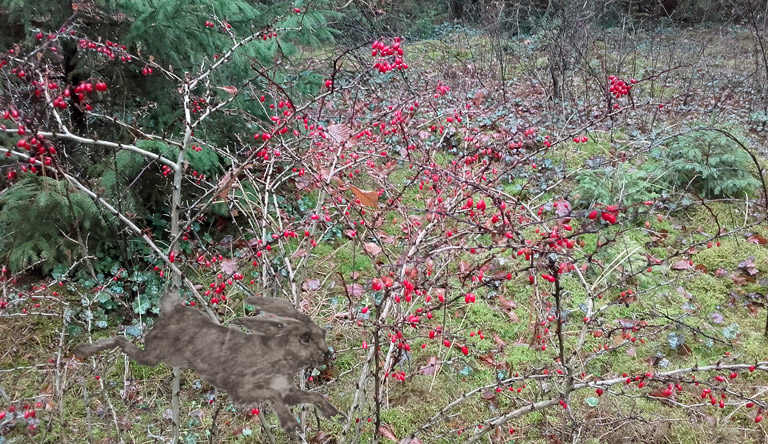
<point x="488" y="360"/>
<point x="228" y="266"/>
<point x="757" y="239"/>
<point x="431" y="367"/>
<point x="310" y="284"/>
<point x="339" y="132"/>
<point x="387" y="432"/>
<point x="320" y="438"/>
<point x="225" y="184"/>
<point x="506" y="303"/>
<point x="499" y="341"/>
<point x="355" y="290"/>
<point x="488" y="394"/>
<point x="372" y="248"/>
<point x="749" y="266"/>
<point x="681" y="265"/>
<point x="367" y="198"/>
<point x="229" y="89"/>
<point x="700" y="268"/>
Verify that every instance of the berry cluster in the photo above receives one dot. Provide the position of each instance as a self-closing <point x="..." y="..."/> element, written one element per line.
<point x="107" y="49"/>
<point x="385" y="52"/>
<point x="618" y="87"/>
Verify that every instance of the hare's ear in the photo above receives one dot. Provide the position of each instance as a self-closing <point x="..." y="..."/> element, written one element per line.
<point x="277" y="307"/>
<point x="265" y="326"/>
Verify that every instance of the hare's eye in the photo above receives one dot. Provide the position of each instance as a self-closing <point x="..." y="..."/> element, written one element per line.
<point x="305" y="338"/>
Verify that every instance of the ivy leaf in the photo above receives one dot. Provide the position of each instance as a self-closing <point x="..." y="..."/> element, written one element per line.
<point x="675" y="340"/>
<point x="730" y="332"/>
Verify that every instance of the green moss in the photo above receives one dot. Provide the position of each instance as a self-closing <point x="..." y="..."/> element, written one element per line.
<point x="493" y="320"/>
<point x="345" y="361"/>
<point x="573" y="155"/>
<point x="731" y="253"/>
<point x="708" y="291"/>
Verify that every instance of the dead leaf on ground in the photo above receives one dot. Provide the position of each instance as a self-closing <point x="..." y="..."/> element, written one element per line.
<point x="385" y="238"/>
<point x="372" y="248"/>
<point x="488" y="395"/>
<point x="631" y="323"/>
<point x="489" y="360"/>
<point x="757" y="239"/>
<point x="310" y="285"/>
<point x="499" y="342"/>
<point x="682" y="265"/>
<point x="386" y="431"/>
<point x="431" y="367"/>
<point x="700" y="268"/>
<point x="367" y="198"/>
<point x="124" y="424"/>
<point x="749" y="266"/>
<point x="506" y="303"/>
<point x="740" y="279"/>
<point x="228" y="266"/>
<point x="299" y="253"/>
<point x="320" y="438"/>
<point x="355" y="290"/>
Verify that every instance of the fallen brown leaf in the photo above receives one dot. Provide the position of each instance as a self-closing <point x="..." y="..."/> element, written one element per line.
<point x="681" y="265"/>
<point x="372" y="248"/>
<point x="367" y="198"/>
<point x="387" y="432"/>
<point x="431" y="367"/>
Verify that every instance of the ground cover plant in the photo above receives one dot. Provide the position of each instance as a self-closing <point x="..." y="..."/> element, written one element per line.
<point x="548" y="232"/>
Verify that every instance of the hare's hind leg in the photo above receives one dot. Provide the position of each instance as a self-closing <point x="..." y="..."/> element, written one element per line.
<point x="142" y="357"/>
